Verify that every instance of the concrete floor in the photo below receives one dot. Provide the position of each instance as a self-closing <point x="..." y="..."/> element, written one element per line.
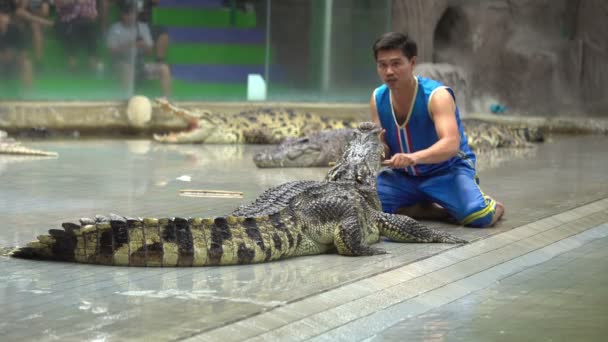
<point x="295" y="299"/>
<point x="563" y="299"/>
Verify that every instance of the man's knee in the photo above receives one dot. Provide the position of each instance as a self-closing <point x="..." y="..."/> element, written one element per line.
<point x="485" y="217"/>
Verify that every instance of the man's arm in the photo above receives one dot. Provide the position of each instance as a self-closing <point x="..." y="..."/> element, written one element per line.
<point x="376" y="120"/>
<point x="443" y="113"/>
<point x="23" y="13"/>
<point x="146" y="43"/>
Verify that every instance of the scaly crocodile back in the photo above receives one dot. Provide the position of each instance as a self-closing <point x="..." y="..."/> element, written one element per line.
<point x="274" y="199"/>
<point x="17" y="149"/>
<point x="254" y="126"/>
<point x="13" y="147"/>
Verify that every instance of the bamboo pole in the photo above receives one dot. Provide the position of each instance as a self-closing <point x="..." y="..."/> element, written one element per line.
<point x="210" y="193"/>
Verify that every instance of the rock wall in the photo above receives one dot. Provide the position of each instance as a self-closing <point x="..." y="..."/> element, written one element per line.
<point x="452" y="76"/>
<point x="540" y="57"/>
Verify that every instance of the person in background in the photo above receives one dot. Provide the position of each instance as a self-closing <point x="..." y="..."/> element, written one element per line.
<point x="77" y="29"/>
<point x="160" y="34"/>
<point x="129" y="41"/>
<point x="33" y="13"/>
<point x="431" y="166"/>
<point x="13" y="56"/>
<point x="21" y="12"/>
<point x="41" y="9"/>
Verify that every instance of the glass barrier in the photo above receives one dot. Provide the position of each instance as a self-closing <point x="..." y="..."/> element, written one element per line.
<point x="199" y="50"/>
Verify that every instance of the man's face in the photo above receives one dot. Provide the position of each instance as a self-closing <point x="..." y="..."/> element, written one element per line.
<point x="128" y="18"/>
<point x="393" y="67"/>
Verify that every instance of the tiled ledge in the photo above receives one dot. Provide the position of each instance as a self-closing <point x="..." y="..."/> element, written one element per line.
<point x="360" y="309"/>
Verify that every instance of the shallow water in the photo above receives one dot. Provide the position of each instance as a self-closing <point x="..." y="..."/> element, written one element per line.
<point x="45" y="300"/>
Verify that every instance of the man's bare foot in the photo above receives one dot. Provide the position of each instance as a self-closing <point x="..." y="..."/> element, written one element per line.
<point x="500" y="210"/>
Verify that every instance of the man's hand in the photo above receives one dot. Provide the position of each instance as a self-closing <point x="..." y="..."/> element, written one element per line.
<point x="401" y="160"/>
<point x="387" y="151"/>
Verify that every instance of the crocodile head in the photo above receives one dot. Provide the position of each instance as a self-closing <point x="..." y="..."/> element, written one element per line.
<point x="361" y="160"/>
<point x="198" y="129"/>
<point x="316" y="149"/>
<point x="201" y="126"/>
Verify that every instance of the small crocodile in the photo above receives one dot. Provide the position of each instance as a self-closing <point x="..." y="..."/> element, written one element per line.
<point x="323" y="148"/>
<point x="256" y="126"/>
<point x="317" y="149"/>
<point x="342" y="213"/>
<point x="13" y="147"/>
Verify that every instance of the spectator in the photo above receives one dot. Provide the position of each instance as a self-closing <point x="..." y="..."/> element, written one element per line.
<point x="129" y="41"/>
<point x="39" y="8"/>
<point x="160" y="34"/>
<point x="12" y="52"/>
<point x="77" y="29"/>
<point x="22" y="14"/>
<point x="30" y="12"/>
<point x="104" y="12"/>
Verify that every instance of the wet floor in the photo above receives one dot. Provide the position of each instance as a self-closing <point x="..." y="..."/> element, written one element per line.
<point x="563" y="299"/>
<point x="48" y="301"/>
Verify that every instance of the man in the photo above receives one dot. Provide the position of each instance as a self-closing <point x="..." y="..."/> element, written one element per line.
<point x="12" y="45"/>
<point x="40" y="9"/>
<point x="160" y="34"/>
<point x="128" y="41"/>
<point x="431" y="167"/>
<point x="77" y="30"/>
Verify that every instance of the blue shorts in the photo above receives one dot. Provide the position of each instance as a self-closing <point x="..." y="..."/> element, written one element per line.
<point x="456" y="190"/>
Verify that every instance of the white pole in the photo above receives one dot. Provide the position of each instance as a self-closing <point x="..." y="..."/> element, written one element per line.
<point x="267" y="59"/>
<point x="389" y="16"/>
<point x="326" y="48"/>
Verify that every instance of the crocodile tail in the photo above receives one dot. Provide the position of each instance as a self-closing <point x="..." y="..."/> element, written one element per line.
<point x="58" y="245"/>
<point x="26" y="151"/>
<point x="122" y="241"/>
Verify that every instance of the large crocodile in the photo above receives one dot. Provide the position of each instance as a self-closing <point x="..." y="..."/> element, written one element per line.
<point x="323" y="148"/>
<point x="13" y="147"/>
<point x="341" y="213"/>
<point x="256" y="126"/>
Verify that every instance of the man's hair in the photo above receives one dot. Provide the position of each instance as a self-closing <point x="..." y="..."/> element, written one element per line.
<point x="127" y="7"/>
<point x="396" y="41"/>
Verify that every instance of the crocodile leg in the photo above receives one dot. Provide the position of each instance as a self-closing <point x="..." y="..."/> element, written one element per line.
<point x="349" y="239"/>
<point x="401" y="228"/>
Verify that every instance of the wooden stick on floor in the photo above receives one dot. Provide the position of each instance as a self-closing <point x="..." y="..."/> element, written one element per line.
<point x="210" y="193"/>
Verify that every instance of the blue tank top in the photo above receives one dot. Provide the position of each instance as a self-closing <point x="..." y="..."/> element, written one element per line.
<point x="418" y="131"/>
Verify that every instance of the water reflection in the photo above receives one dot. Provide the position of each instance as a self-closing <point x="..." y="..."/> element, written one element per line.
<point x="94" y="297"/>
<point x="494" y="158"/>
<point x="5" y="160"/>
<point x="100" y="176"/>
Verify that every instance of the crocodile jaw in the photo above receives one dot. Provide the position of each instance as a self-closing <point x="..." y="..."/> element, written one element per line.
<point x="199" y="134"/>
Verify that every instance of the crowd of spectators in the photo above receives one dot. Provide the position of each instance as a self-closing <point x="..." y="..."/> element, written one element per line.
<point x="137" y="48"/>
